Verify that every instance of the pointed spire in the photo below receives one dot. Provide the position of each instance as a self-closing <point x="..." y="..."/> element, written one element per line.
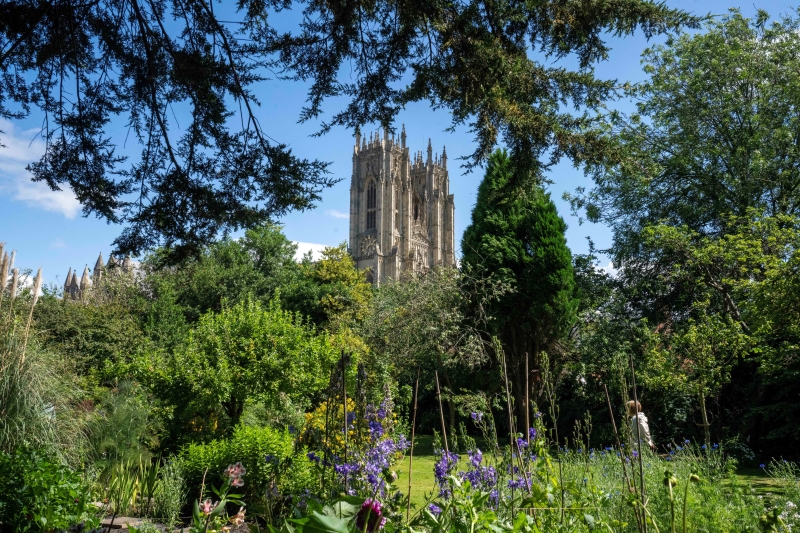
<point x="444" y="157"/>
<point x="429" y="161"/>
<point x="403" y="137"/>
<point x="69" y="280"/>
<point x="358" y="139"/>
<point x="85" y="279"/>
<point x="74" y="289"/>
<point x="98" y="266"/>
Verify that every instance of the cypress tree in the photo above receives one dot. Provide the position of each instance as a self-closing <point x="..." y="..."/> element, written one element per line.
<point x="517" y="235"/>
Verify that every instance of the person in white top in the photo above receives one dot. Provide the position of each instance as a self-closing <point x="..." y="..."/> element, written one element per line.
<point x="639" y="426"/>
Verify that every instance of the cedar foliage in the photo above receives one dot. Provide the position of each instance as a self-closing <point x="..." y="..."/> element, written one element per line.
<point x="518" y="236"/>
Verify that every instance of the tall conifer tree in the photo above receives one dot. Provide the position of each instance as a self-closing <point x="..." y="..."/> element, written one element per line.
<point x="517" y="235"/>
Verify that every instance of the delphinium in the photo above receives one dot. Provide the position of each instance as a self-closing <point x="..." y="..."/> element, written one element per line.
<point x="367" y="468"/>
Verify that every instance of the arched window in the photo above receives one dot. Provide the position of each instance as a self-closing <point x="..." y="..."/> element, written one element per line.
<point x="416" y="209"/>
<point x="370" y="277"/>
<point x="372" y="204"/>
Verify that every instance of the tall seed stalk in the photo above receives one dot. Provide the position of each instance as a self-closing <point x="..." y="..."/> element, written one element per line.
<point x="37" y="285"/>
<point x="344" y="413"/>
<point x="551" y="400"/>
<point x="3" y="276"/>
<point x="639" y="440"/>
<point x="625" y="477"/>
<point x="12" y="293"/>
<point x="411" y="452"/>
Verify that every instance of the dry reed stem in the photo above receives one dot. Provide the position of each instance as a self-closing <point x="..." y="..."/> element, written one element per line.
<point x="411" y="453"/>
<point x="37" y="285"/>
<point x="3" y="276"/>
<point x="12" y="293"/>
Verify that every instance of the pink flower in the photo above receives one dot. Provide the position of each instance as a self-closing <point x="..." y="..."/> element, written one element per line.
<point x="237" y="482"/>
<point x="238" y="518"/>
<point x="206" y="506"/>
<point x="236" y="470"/>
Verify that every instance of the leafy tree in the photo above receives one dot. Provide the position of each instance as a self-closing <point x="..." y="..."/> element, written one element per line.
<point x="332" y="292"/>
<point x="246" y="353"/>
<point x="435" y="321"/>
<point x="707" y="349"/>
<point x="230" y="270"/>
<point x="715" y="134"/>
<point x="517" y="235"/>
<point x="743" y="285"/>
<point x="181" y="76"/>
<point x="105" y="326"/>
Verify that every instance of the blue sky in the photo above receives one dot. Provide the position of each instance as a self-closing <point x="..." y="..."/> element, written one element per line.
<point x="48" y="230"/>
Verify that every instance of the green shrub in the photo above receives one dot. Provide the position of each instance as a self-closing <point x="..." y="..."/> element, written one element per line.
<point x="248" y="445"/>
<point x="39" y="494"/>
<point x="170" y="494"/>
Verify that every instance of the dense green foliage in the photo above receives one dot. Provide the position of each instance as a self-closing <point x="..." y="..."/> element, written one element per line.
<point x="250" y="446"/>
<point x="244" y="353"/>
<point x="39" y="493"/>
<point x="702" y="199"/>
<point x="517" y="235"/>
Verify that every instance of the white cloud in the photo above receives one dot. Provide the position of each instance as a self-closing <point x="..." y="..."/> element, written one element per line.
<point x="20" y="148"/>
<point x="336" y="214"/>
<point x="304" y="247"/>
<point x="609" y="269"/>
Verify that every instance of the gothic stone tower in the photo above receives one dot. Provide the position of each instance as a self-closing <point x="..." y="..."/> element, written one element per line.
<point x="401" y="209"/>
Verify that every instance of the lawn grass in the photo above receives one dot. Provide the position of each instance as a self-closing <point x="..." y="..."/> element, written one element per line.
<point x="424" y="484"/>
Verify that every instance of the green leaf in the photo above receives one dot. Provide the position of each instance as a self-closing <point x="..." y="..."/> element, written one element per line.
<point x="320" y="523"/>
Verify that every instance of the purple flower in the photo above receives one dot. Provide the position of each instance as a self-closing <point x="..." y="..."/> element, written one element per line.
<point x="435" y="509"/>
<point x="494" y="498"/>
<point x="313" y="457"/>
<point x="370" y="517"/>
<point x="475" y="457"/>
<point x="345" y="469"/>
<point x="532" y="433"/>
<point x="442" y="469"/>
<point x="687" y="441"/>
<point x="476" y="416"/>
<point x="519" y="482"/>
<point x="375" y="429"/>
<point x="522" y="443"/>
<point x="762" y="465"/>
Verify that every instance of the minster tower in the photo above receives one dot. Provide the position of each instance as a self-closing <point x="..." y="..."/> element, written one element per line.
<point x="401" y="209"/>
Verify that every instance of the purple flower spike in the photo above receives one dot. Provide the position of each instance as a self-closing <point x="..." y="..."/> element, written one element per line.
<point x="532" y="433"/>
<point x="435" y="509"/>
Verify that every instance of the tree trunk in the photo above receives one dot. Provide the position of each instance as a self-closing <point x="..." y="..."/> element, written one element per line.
<point x="451" y="405"/>
<point x="705" y="421"/>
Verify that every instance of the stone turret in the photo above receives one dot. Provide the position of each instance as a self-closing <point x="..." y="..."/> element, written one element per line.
<point x="67" y="283"/>
<point x="74" y="288"/>
<point x="85" y="281"/>
<point x="97" y="272"/>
